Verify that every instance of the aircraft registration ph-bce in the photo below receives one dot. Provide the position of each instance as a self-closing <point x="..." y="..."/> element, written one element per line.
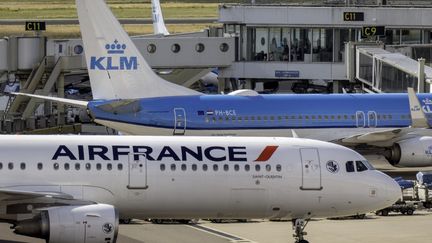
<point x="74" y="189"/>
<point x="130" y="97"/>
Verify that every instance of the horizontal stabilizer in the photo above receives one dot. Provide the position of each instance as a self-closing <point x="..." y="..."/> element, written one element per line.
<point x="418" y="117"/>
<point x="75" y="103"/>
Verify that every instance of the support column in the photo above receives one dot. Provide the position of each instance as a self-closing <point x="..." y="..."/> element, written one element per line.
<point x="421" y="75"/>
<point x="60" y="94"/>
<point x="336" y="86"/>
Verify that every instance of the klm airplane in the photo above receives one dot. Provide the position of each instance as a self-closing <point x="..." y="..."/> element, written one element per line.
<point x="130" y="97"/>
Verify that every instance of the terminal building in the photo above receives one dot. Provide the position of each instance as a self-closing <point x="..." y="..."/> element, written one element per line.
<point x="372" y="46"/>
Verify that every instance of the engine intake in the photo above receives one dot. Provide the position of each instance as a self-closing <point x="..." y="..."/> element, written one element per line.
<point x="411" y="152"/>
<point x="96" y="223"/>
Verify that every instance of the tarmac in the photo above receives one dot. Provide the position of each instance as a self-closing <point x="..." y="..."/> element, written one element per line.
<point x="395" y="228"/>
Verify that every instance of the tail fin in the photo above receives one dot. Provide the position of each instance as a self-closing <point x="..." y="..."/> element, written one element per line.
<point x="158" y="20"/>
<point x="117" y="69"/>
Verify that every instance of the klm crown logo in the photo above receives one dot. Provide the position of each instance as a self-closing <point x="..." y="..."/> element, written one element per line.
<point x="116" y="59"/>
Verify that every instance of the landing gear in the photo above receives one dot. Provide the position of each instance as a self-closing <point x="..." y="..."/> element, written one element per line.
<point x="298" y="226"/>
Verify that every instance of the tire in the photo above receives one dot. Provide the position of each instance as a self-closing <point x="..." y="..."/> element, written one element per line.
<point x="361" y="216"/>
<point x="384" y="212"/>
<point x="410" y="211"/>
<point x="125" y="221"/>
<point x="217" y="221"/>
<point x="303" y="241"/>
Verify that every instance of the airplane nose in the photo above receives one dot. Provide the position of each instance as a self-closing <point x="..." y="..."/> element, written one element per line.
<point x="393" y="190"/>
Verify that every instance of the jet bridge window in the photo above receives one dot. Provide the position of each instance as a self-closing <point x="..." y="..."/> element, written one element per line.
<point x="350" y="166"/>
<point x="360" y="166"/>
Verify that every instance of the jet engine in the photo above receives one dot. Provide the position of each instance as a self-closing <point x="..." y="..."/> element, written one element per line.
<point x="411" y="152"/>
<point x="96" y="223"/>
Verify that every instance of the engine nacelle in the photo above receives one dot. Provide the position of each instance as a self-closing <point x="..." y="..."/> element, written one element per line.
<point x="96" y="223"/>
<point x="411" y="152"/>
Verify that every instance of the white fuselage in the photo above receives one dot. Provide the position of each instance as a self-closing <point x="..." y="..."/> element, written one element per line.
<point x="254" y="178"/>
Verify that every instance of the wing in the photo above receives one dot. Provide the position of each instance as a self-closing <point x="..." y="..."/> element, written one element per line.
<point x="75" y="103"/>
<point x="21" y="204"/>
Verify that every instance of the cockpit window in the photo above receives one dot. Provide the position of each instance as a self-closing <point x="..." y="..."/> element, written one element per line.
<point x="360" y="166"/>
<point x="349" y="166"/>
<point x="368" y="165"/>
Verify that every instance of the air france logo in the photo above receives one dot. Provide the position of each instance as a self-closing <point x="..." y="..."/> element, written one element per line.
<point x="332" y="166"/>
<point x="116" y="59"/>
<point x="107" y="228"/>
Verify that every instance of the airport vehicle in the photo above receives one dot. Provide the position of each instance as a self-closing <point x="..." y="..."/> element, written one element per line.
<point x="132" y="99"/>
<point x="74" y="189"/>
<point x="407" y="208"/>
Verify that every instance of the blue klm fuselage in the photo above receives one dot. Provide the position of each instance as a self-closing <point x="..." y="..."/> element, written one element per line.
<point x="263" y="112"/>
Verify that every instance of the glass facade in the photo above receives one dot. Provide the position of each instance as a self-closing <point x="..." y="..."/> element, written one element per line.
<point x="309" y="45"/>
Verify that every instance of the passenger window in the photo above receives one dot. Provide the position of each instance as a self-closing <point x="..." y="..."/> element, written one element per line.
<point x="194" y="167"/>
<point x="120" y="166"/>
<point x="257" y="167"/>
<point x="173" y="167"/>
<point x="98" y="166"/>
<point x="23" y="166"/>
<point x="77" y="166"/>
<point x="66" y="166"/>
<point x="109" y="166"/>
<point x="10" y="166"/>
<point x="278" y="167"/>
<point x="360" y="166"/>
<point x="204" y="167"/>
<point x="349" y="166"/>
<point x="226" y="167"/>
<point x="268" y="167"/>
<point x="56" y="166"/>
<point x="1" y="166"/>
<point x="236" y="167"/>
<point x="183" y="167"/>
<point x="39" y="166"/>
<point x="88" y="166"/>
<point x="215" y="167"/>
<point x="247" y="167"/>
<point x="162" y="167"/>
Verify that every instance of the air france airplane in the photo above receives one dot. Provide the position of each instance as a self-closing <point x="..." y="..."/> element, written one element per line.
<point x="131" y="98"/>
<point x="74" y="189"/>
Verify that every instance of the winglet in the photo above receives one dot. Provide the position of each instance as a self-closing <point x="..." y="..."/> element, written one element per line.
<point x="418" y="117"/>
<point x="75" y="103"/>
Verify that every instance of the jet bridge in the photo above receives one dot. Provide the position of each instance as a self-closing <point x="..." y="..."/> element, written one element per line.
<point x="383" y="71"/>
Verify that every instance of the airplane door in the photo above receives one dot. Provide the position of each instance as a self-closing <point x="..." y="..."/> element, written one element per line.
<point x="179" y="121"/>
<point x="137" y="171"/>
<point x="360" y="119"/>
<point x="372" y="119"/>
<point x="311" y="169"/>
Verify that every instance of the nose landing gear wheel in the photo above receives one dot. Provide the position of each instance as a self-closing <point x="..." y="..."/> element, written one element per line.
<point x="298" y="226"/>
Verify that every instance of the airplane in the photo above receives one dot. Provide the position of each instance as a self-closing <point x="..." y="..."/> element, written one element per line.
<point x="131" y="98"/>
<point x="159" y="27"/>
<point x="74" y="189"/>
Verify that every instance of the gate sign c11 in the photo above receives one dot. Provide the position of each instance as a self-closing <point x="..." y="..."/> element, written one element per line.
<point x="369" y="31"/>
<point x="353" y="16"/>
<point x="35" y="26"/>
